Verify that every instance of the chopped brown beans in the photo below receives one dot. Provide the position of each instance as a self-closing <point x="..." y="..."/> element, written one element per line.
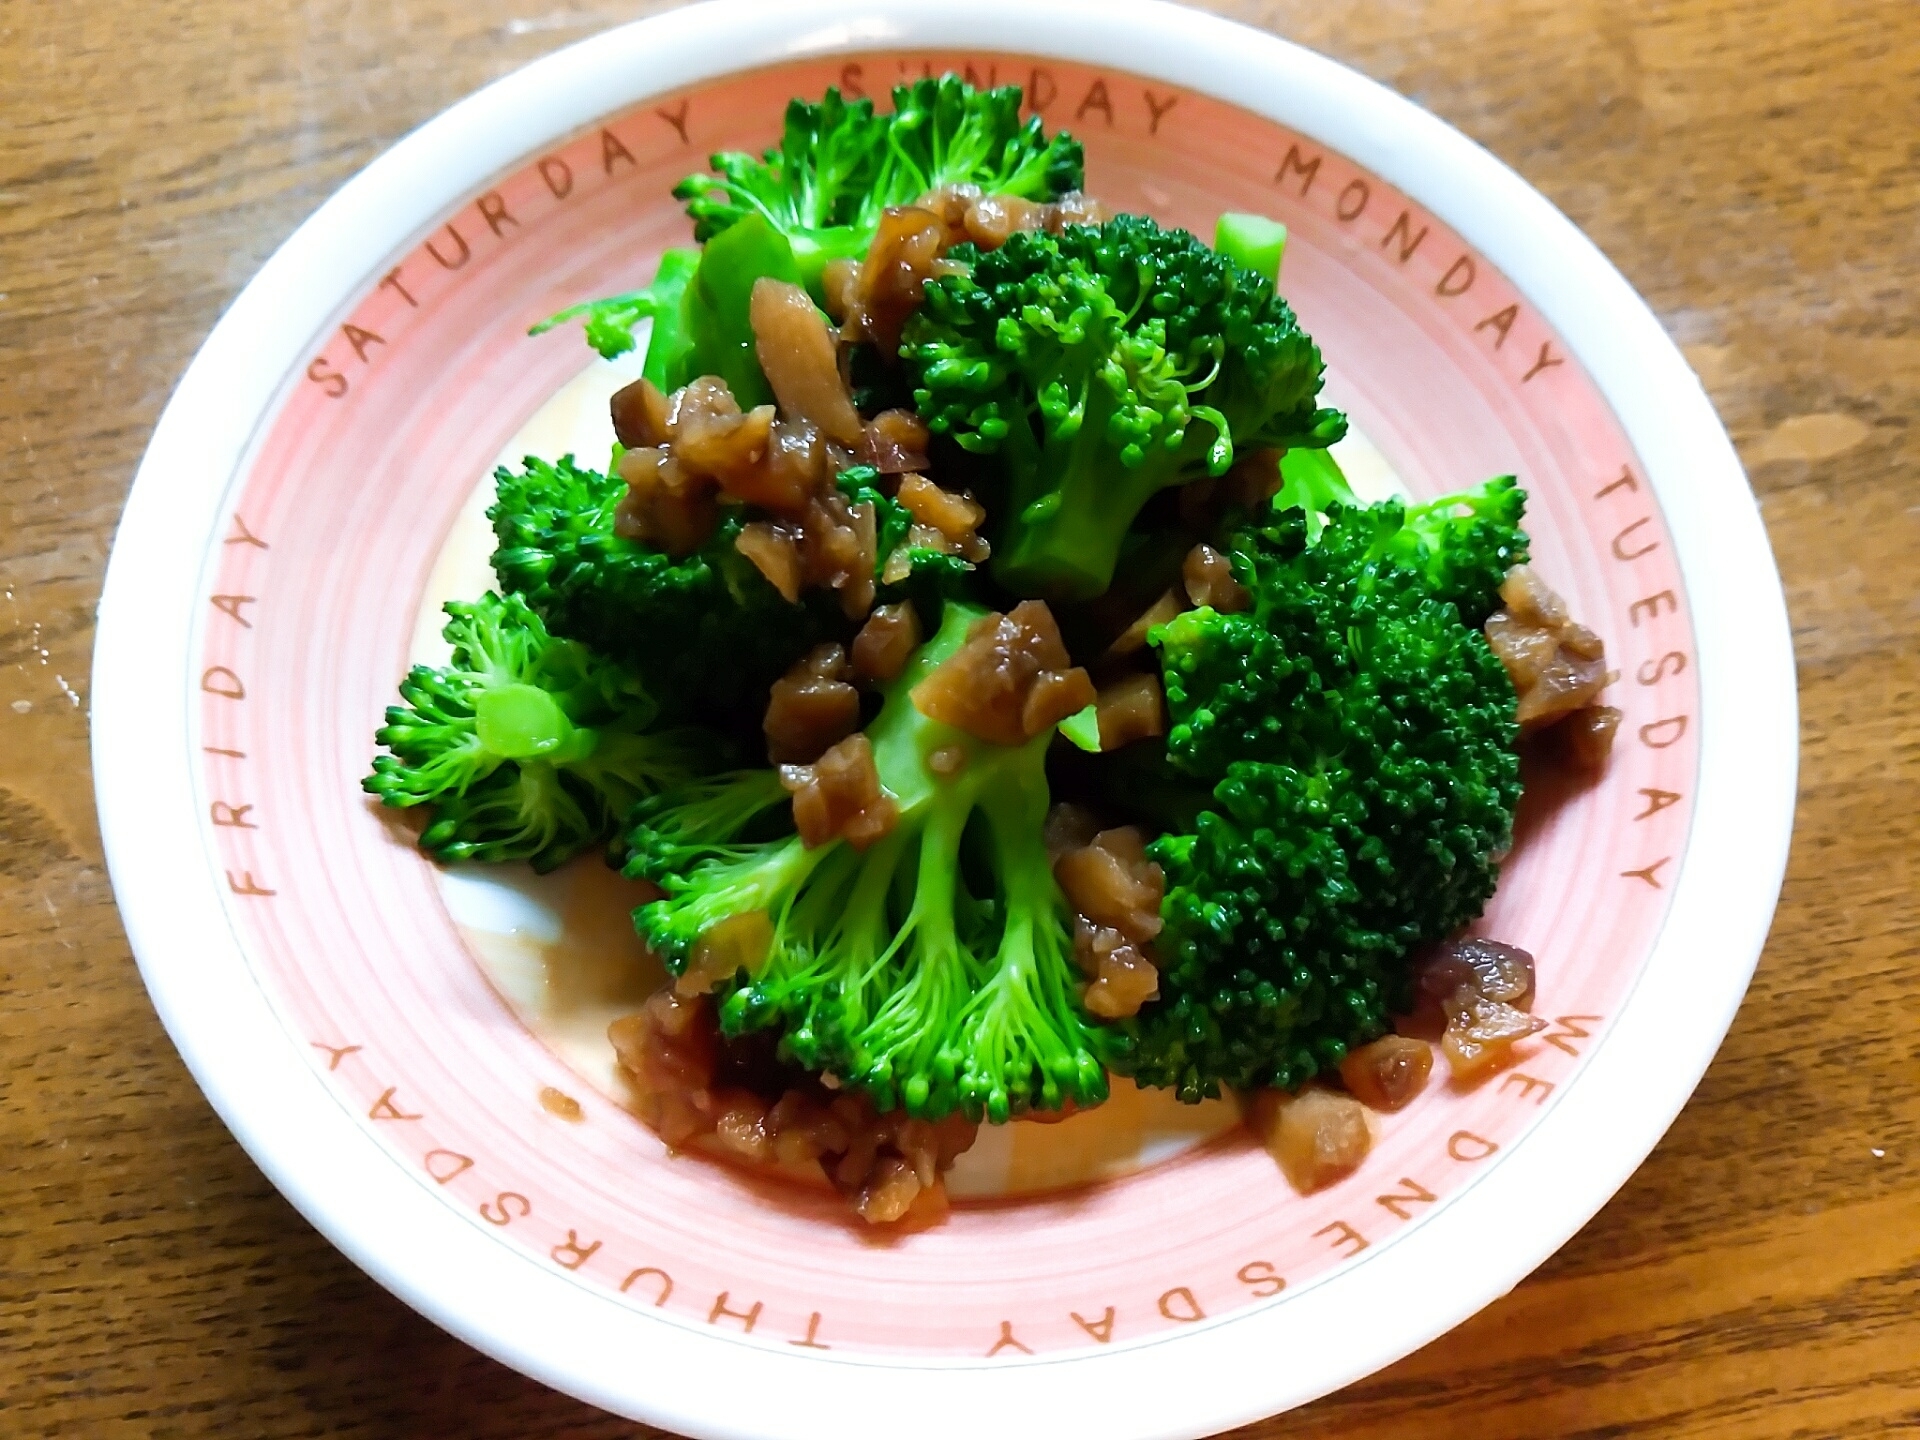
<point x="693" y="1083"/>
<point x="670" y="1048"/>
<point x="811" y="708"/>
<point x="1074" y="208"/>
<point x="1557" y="667"/>
<point x="838" y="542"/>
<point x="1500" y="972"/>
<point x="791" y="468"/>
<point x="1132" y="708"/>
<point x="893" y="280"/>
<point x="1481" y="1033"/>
<point x="640" y="415"/>
<point x="1055" y="695"/>
<point x="838" y="280"/>
<point x="1166" y="608"/>
<point x="839" y="796"/>
<point x="1208" y="577"/>
<point x="1588" y="735"/>
<point x="664" y="506"/>
<point x="724" y="445"/>
<point x="990" y="219"/>
<point x="985" y="687"/>
<point x="1473" y="994"/>
<point x="955" y="516"/>
<point x="774" y="555"/>
<point x="895" y="443"/>
<point x="797" y="354"/>
<point x="1112" y="883"/>
<point x="886" y="642"/>
<point x="1317" y="1136"/>
<point x="1123" y="976"/>
<point x="1388" y="1073"/>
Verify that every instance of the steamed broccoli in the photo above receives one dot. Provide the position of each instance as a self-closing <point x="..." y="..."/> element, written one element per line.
<point x="933" y="970"/>
<point x="526" y="746"/>
<point x="610" y="322"/>
<point x="1099" y="366"/>
<point x="1348" y="745"/>
<point x="840" y="165"/>
<point x="706" y="631"/>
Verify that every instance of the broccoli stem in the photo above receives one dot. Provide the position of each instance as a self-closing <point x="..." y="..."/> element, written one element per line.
<point x="1073" y="502"/>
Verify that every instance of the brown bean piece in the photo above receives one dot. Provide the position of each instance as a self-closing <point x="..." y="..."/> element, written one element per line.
<point x="1112" y="883"/>
<point x="811" y="708"/>
<point x="1123" y="974"/>
<point x="774" y="554"/>
<point x="895" y="443"/>
<point x="1530" y="600"/>
<point x="797" y="354"/>
<point x="954" y="516"/>
<point x="1075" y="208"/>
<point x="669" y="1050"/>
<point x="727" y="447"/>
<point x="1318" y="1137"/>
<point x="985" y="686"/>
<point x="838" y="281"/>
<point x="838" y="541"/>
<point x="992" y="219"/>
<point x="1166" y="608"/>
<point x="1208" y="577"/>
<point x="1388" y="1073"/>
<point x="1558" y="667"/>
<point x="639" y="414"/>
<point x="664" y="506"/>
<point x="1132" y="708"/>
<point x="886" y="642"/>
<point x="909" y="242"/>
<point x="1482" y="1032"/>
<point x="1500" y="972"/>
<point x="839" y="796"/>
<point x="1589" y="735"/>
<point x="1055" y="695"/>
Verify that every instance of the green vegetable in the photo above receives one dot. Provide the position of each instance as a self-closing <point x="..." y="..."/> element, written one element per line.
<point x="934" y="970"/>
<point x="1253" y="241"/>
<point x="705" y="631"/>
<point x="526" y="746"/>
<point x="719" y="330"/>
<point x="1348" y="749"/>
<point x="610" y="322"/>
<point x="1100" y="366"/>
<point x="840" y="165"/>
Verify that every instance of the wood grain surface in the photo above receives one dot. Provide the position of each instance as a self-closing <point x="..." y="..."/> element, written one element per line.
<point x="1753" y="166"/>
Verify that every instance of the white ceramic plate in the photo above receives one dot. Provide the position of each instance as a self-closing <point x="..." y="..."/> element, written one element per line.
<point x="261" y="599"/>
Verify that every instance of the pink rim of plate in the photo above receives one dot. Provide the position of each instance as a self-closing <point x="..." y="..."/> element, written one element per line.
<point x="1723" y="887"/>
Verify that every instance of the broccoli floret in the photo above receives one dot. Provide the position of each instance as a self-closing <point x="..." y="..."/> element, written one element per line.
<point x="705" y="631"/>
<point x="1351" y="744"/>
<point x="610" y="322"/>
<point x="840" y="165"/>
<point x="1099" y="366"/>
<point x="933" y="970"/>
<point x="1463" y="545"/>
<point x="528" y="747"/>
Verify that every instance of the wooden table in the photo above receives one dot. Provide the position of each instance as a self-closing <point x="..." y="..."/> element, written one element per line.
<point x="1750" y="165"/>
